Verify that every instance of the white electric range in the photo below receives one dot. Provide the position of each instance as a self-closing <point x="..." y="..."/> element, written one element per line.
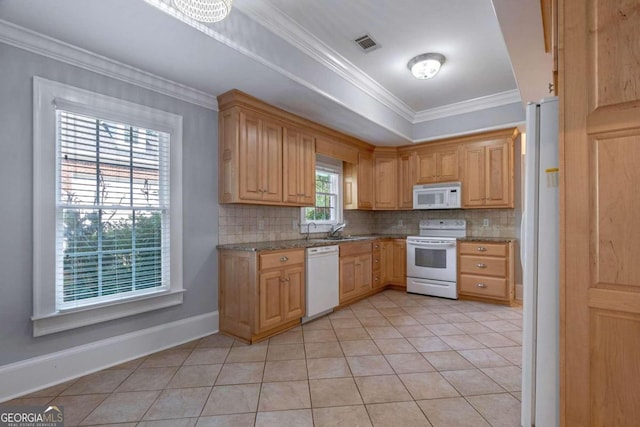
<point x="431" y="257"/>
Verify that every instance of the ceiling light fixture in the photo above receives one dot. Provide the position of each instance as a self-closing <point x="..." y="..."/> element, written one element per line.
<point x="426" y="66"/>
<point x="204" y="10"/>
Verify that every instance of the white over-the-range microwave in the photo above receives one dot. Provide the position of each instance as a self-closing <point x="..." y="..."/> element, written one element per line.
<point x="447" y="195"/>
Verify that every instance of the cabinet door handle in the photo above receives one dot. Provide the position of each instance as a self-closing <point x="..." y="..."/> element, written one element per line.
<point x="284" y="259"/>
<point x="481" y="285"/>
<point x="481" y="265"/>
<point x="481" y="249"/>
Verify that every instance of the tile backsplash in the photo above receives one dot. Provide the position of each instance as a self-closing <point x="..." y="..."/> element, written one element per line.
<point x="249" y="223"/>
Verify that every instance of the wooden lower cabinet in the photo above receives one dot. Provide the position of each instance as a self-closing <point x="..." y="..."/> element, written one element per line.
<point x="396" y="263"/>
<point x="261" y="293"/>
<point x="377" y="266"/>
<point x="355" y="271"/>
<point x="486" y="271"/>
<point x="367" y="268"/>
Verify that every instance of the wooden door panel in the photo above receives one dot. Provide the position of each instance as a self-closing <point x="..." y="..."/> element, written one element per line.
<point x="270" y="300"/>
<point x="473" y="183"/>
<point x="617" y="40"/>
<point x="364" y="280"/>
<point x="271" y="161"/>
<point x="406" y="180"/>
<point x="307" y="170"/>
<point x="251" y="184"/>
<point x="291" y="161"/>
<point x="294" y="302"/>
<point x="365" y="180"/>
<point x="448" y="165"/>
<point x="399" y="261"/>
<point x="614" y="361"/>
<point x="618" y="209"/>
<point x="599" y="90"/>
<point x="497" y="175"/>
<point x="347" y="278"/>
<point x="427" y="169"/>
<point x="386" y="174"/>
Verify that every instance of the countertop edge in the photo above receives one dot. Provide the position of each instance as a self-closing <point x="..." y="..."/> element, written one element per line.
<point x="303" y="243"/>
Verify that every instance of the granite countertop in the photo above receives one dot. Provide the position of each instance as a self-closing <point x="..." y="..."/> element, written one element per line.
<point x="303" y="243"/>
<point x="487" y="239"/>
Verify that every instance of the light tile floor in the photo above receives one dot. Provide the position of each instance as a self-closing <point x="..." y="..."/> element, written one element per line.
<point x="394" y="359"/>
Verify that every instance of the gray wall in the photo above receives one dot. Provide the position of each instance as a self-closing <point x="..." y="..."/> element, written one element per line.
<point x="200" y="209"/>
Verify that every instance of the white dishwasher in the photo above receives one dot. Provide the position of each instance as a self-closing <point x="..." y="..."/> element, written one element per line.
<point x="322" y="281"/>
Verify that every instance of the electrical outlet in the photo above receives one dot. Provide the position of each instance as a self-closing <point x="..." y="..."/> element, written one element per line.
<point x="294" y="224"/>
<point x="485" y="222"/>
<point x="261" y="224"/>
<point x="400" y="223"/>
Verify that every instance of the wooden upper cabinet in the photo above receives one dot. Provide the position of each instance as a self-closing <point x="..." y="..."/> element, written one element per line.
<point x="406" y="179"/>
<point x="438" y="164"/>
<point x="385" y="166"/>
<point x="487" y="180"/>
<point x="260" y="158"/>
<point x="299" y="158"/>
<point x="266" y="155"/>
<point x="358" y="182"/>
<point x="365" y="180"/>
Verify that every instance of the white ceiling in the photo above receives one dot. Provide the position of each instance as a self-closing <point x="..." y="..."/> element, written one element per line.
<point x="466" y="32"/>
<point x="299" y="55"/>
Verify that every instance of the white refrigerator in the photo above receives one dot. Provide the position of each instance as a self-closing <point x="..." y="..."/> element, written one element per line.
<point x="540" y="260"/>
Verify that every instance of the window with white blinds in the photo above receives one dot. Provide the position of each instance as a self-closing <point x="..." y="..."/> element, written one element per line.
<point x="107" y="208"/>
<point x="112" y="210"/>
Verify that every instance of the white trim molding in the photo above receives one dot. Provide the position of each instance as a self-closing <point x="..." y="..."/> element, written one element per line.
<point x="468" y="106"/>
<point x="281" y="24"/>
<point x="34" y="374"/>
<point x="48" y="317"/>
<point x="32" y="41"/>
<point x="285" y="27"/>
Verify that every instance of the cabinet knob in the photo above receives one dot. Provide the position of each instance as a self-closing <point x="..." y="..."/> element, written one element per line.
<point x="377" y="279"/>
<point x="481" y="249"/>
<point x="284" y="259"/>
<point x="377" y="260"/>
<point x="481" y="265"/>
<point x="481" y="285"/>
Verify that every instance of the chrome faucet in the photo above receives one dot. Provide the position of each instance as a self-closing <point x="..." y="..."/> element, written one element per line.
<point x="308" y="227"/>
<point x="335" y="228"/>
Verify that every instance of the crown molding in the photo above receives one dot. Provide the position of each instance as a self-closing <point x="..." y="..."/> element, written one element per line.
<point x="49" y="47"/>
<point x="281" y="24"/>
<point x="468" y="106"/>
<point x="284" y="26"/>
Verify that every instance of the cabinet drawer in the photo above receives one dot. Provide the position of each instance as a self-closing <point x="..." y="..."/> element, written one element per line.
<point x="483" y="248"/>
<point x="347" y="249"/>
<point x="490" y="287"/>
<point x="281" y="259"/>
<point x="483" y="265"/>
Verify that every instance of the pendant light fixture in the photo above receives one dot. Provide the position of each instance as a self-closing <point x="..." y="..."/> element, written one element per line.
<point x="204" y="10"/>
<point x="426" y="66"/>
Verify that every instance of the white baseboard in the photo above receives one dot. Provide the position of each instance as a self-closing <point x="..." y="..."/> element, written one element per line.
<point x="34" y="374"/>
<point x="519" y="291"/>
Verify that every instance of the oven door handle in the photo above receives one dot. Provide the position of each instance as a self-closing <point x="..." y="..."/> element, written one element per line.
<point x="432" y="245"/>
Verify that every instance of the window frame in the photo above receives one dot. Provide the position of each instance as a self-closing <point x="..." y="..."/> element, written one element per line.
<point x="47" y="318"/>
<point x="335" y="166"/>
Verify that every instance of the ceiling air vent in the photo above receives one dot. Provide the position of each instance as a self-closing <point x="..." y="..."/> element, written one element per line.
<point x="367" y="43"/>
